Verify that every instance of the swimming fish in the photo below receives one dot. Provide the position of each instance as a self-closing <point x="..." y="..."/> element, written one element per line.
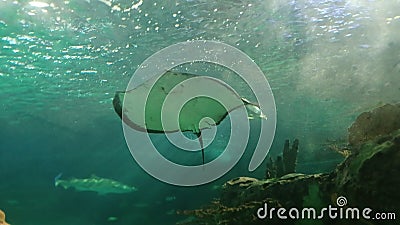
<point x="142" y="107"/>
<point x="94" y="183"/>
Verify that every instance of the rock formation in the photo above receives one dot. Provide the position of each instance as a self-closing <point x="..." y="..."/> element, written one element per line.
<point x="369" y="125"/>
<point x="368" y="178"/>
<point x="284" y="164"/>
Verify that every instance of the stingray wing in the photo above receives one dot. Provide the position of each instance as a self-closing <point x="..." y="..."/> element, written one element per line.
<point x="145" y="114"/>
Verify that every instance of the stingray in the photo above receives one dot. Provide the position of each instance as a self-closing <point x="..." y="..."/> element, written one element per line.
<point x="145" y="114"/>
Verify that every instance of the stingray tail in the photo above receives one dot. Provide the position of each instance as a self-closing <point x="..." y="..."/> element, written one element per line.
<point x="201" y="144"/>
<point x="56" y="179"/>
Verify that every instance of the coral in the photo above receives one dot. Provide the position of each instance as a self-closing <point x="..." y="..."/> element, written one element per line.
<point x="290" y="156"/>
<point x="344" y="151"/>
<point x="340" y="146"/>
<point x="280" y="169"/>
<point x="284" y="164"/>
<point x="3" y="218"/>
<point x="271" y="171"/>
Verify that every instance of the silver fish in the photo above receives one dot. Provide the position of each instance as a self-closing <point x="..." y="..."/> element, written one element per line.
<point x="96" y="184"/>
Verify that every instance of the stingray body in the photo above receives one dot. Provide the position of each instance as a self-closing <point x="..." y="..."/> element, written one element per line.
<point x="144" y="109"/>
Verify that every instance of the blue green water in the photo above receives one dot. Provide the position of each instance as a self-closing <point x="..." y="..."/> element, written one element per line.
<point x="62" y="61"/>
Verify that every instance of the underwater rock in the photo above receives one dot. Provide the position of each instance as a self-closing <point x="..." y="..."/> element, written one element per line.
<point x="378" y="122"/>
<point x="370" y="177"/>
<point x="242" y="197"/>
<point x="217" y="213"/>
<point x="233" y="189"/>
<point x="240" y="181"/>
<point x="3" y="218"/>
<point x="234" y="192"/>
